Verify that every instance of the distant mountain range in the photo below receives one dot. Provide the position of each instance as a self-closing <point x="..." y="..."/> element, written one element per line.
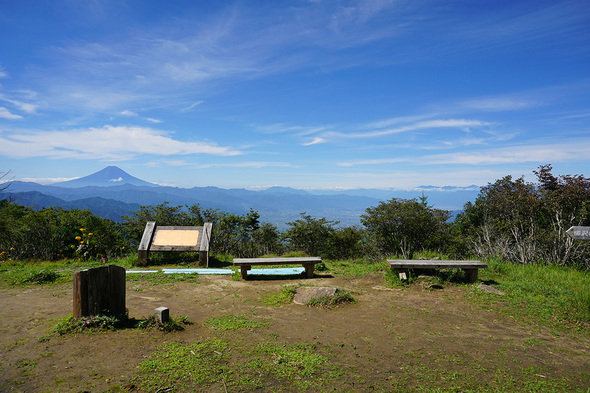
<point x="112" y="192"/>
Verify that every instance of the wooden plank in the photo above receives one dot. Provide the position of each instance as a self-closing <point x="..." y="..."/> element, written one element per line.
<point x="80" y="294"/>
<point x="98" y="290"/>
<point x="116" y="296"/>
<point x="276" y="261"/>
<point x="173" y="248"/>
<point x="434" y="263"/>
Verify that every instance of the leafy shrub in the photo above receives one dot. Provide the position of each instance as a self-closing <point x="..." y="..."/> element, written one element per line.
<point x="232" y="322"/>
<point x="41" y="277"/>
<point x="71" y="325"/>
<point x="340" y="297"/>
<point x="172" y="325"/>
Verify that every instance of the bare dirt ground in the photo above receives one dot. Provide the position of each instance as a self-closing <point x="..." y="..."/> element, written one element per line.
<point x="389" y="338"/>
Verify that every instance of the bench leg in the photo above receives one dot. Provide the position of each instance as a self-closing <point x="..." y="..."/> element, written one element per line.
<point x="244" y="270"/>
<point x="404" y="274"/>
<point x="309" y="268"/>
<point x="470" y="275"/>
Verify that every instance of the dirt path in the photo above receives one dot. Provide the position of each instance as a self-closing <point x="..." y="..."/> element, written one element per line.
<point x="374" y="342"/>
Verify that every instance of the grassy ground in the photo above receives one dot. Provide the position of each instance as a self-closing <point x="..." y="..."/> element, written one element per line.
<point x="247" y="336"/>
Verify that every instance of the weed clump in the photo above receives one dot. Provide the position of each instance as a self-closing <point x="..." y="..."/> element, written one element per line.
<point x="172" y="325"/>
<point x="71" y="325"/>
<point x="42" y="277"/>
<point x="285" y="296"/>
<point x="330" y="301"/>
<point x="233" y="322"/>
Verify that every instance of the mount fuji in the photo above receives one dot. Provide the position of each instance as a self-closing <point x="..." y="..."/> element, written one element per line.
<point x="107" y="177"/>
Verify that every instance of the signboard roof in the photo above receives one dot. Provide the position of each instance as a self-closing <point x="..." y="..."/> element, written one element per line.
<point x="579" y="233"/>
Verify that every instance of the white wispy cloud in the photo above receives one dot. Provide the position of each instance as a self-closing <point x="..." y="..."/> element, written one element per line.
<point x="428" y="124"/>
<point x="19" y="104"/>
<point x="239" y="42"/>
<point x="500" y="104"/>
<point x="128" y="113"/>
<point x="47" y="180"/>
<point x="315" y="141"/>
<point x="108" y="142"/>
<point x="6" y="114"/>
<point x="192" y="106"/>
<point x="247" y="164"/>
<point x="554" y="151"/>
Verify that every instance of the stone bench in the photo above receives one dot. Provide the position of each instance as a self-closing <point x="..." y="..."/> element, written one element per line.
<point x="470" y="267"/>
<point x="308" y="263"/>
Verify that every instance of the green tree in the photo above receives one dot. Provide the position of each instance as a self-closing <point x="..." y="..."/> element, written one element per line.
<point x="346" y="243"/>
<point x="526" y="222"/>
<point x="54" y="233"/>
<point x="565" y="202"/>
<point x="310" y="235"/>
<point x="163" y="214"/>
<point x="406" y="226"/>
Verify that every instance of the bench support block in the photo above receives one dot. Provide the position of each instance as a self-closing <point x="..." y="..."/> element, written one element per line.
<point x="470" y="275"/>
<point x="244" y="270"/>
<point x="309" y="268"/>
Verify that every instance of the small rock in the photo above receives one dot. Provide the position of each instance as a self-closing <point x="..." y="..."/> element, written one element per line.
<point x="434" y="286"/>
<point x="490" y="289"/>
<point x="304" y="294"/>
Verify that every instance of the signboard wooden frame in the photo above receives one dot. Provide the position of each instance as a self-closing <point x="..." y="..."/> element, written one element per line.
<point x="175" y="238"/>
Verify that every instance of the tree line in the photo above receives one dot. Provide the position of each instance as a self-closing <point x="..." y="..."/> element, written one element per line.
<point x="511" y="219"/>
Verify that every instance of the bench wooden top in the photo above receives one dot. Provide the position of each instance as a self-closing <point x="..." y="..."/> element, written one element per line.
<point x="276" y="261"/>
<point x="434" y="263"/>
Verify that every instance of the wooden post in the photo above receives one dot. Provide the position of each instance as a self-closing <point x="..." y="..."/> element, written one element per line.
<point x="144" y="245"/>
<point x="80" y="292"/>
<point x="204" y="247"/>
<point x="99" y="291"/>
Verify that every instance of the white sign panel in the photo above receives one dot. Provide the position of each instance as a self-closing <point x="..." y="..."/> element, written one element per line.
<point x="579" y="233"/>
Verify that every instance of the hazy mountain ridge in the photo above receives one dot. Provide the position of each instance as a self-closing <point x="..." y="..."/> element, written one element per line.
<point x="277" y="205"/>
<point x="106" y="208"/>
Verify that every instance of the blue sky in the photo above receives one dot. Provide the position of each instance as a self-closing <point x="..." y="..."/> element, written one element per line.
<point x="305" y="94"/>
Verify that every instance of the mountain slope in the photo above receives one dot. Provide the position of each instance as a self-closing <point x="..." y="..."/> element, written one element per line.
<point x="109" y="176"/>
<point x="101" y="207"/>
<point x="111" y="192"/>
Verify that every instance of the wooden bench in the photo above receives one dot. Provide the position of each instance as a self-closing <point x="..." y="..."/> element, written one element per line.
<point x="308" y="263"/>
<point x="470" y="267"/>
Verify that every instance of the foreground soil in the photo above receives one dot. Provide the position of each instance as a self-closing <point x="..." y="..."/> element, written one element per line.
<point x="389" y="340"/>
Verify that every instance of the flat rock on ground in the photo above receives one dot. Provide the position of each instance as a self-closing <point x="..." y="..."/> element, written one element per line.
<point x="304" y="294"/>
<point x="490" y="289"/>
